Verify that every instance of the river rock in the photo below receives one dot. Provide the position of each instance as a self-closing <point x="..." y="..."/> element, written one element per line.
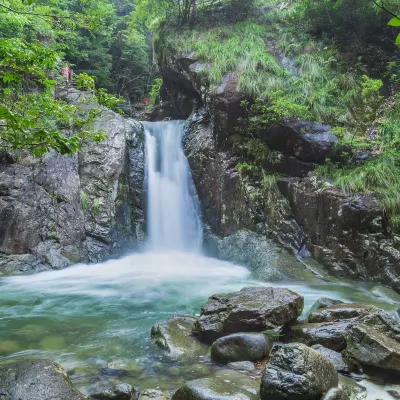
<point x="242" y="366"/>
<point x="152" y="394"/>
<point x="298" y="372"/>
<point x="176" y="337"/>
<point x="241" y="347"/>
<point x="251" y="309"/>
<point x="118" y="392"/>
<point x="334" y="357"/>
<point x="339" y="312"/>
<point x="324" y="302"/>
<point x="336" y="394"/>
<point x="36" y="379"/>
<point x="327" y="334"/>
<point x="226" y="385"/>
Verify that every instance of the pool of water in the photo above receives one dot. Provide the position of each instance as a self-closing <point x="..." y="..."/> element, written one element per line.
<point x="95" y="320"/>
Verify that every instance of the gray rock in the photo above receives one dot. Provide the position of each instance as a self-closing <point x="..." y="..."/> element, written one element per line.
<point x="151" y="394"/>
<point x="334" y="357"/>
<point x="251" y="309"/>
<point x="226" y="385"/>
<point x="327" y="334"/>
<point x="118" y="392"/>
<point x="36" y="379"/>
<point x="244" y="366"/>
<point x="340" y="312"/>
<point x="351" y="388"/>
<point x="324" y="302"/>
<point x="176" y="337"/>
<point x="336" y="394"/>
<point x="241" y="347"/>
<point x="298" y="372"/>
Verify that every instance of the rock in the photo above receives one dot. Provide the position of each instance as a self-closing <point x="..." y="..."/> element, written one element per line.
<point x="329" y="335"/>
<point x="226" y="385"/>
<point x="241" y="347"/>
<point x="336" y="394"/>
<point x="244" y="366"/>
<point x="36" y="379"/>
<point x="118" y="392"/>
<point x="308" y="141"/>
<point x="371" y="347"/>
<point x="340" y="312"/>
<point x="251" y="309"/>
<point x="334" y="357"/>
<point x="151" y="394"/>
<point x="324" y="302"/>
<point x="386" y="293"/>
<point x="176" y="337"/>
<point x="298" y="372"/>
<point x="351" y="388"/>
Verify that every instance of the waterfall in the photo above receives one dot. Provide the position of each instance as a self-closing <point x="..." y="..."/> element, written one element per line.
<point x="173" y="212"/>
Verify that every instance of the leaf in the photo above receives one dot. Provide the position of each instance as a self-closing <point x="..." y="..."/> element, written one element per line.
<point x="398" y="40"/>
<point x="394" y="21"/>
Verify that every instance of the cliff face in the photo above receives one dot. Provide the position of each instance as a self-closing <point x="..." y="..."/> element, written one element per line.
<point x="348" y="235"/>
<point x="60" y="210"/>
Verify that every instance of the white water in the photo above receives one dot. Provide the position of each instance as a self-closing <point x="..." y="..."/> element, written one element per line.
<point x="173" y="216"/>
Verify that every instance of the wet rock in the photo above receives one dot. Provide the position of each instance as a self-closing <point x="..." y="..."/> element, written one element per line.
<point x="226" y="385"/>
<point x="152" y="394"/>
<point x="243" y="366"/>
<point x="351" y="388"/>
<point x="36" y="379"/>
<point x="241" y="347"/>
<point x="324" y="302"/>
<point x="336" y="394"/>
<point x="118" y="392"/>
<point x="329" y="335"/>
<point x="334" y="357"/>
<point x="298" y="372"/>
<point x="308" y="141"/>
<point x="176" y="337"/>
<point x="341" y="312"/>
<point x="386" y="293"/>
<point x="252" y="309"/>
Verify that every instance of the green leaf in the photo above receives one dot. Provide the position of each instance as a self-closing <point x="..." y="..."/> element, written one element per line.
<point x="395" y="21"/>
<point x="398" y="40"/>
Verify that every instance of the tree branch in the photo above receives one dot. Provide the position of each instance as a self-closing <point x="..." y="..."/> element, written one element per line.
<point x="382" y="7"/>
<point x="35" y="14"/>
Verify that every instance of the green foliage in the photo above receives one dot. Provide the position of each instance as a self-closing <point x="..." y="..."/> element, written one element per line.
<point x="84" y="201"/>
<point x="154" y="92"/>
<point x="96" y="206"/>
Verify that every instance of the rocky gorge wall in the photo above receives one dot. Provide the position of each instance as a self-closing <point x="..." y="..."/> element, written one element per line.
<point x="59" y="210"/>
<point x="347" y="234"/>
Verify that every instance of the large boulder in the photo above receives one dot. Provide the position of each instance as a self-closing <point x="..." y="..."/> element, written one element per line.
<point x="36" y="379"/>
<point x="176" y="337"/>
<point x="252" y="309"/>
<point x="241" y="347"/>
<point x="298" y="372"/>
<point x="225" y="385"/>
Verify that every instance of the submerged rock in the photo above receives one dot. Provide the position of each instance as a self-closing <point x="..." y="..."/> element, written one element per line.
<point x="36" y="379"/>
<point x="252" y="309"/>
<point x="226" y="385"/>
<point x="152" y="394"/>
<point x="298" y="372"/>
<point x="176" y="337"/>
<point x="243" y="366"/>
<point x="241" y="347"/>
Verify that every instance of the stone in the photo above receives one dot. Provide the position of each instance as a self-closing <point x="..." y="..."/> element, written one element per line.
<point x="252" y="309"/>
<point x="241" y="347"/>
<point x="334" y="357"/>
<point x="225" y="385"/>
<point x="324" y="302"/>
<point x="340" y="312"/>
<point x="352" y="388"/>
<point x="244" y="366"/>
<point x="336" y="394"/>
<point x="36" y="379"/>
<point x="298" y="372"/>
<point x="386" y="293"/>
<point x="176" y="337"/>
<point x="122" y="391"/>
<point x="329" y="335"/>
<point x="152" y="394"/>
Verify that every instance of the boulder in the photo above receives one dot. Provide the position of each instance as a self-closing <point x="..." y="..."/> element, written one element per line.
<point x="241" y="347"/>
<point x="324" y="302"/>
<point x="176" y="337"/>
<point x="252" y="309"/>
<point x="226" y="385"/>
<point x="334" y="357"/>
<point x="118" y="392"/>
<point x="308" y="141"/>
<point x="152" y="394"/>
<point x="336" y="394"/>
<point x="327" y="334"/>
<point x="298" y="372"/>
<point x="339" y="312"/>
<point x="36" y="379"/>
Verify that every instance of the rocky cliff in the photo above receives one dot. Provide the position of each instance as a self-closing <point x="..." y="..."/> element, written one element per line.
<point x="59" y="210"/>
<point x="347" y="234"/>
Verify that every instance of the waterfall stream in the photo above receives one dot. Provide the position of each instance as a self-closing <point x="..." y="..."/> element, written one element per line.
<point x="173" y="212"/>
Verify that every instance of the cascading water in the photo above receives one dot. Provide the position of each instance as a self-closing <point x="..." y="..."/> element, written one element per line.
<point x="173" y="212"/>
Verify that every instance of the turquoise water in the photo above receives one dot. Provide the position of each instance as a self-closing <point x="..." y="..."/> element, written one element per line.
<point x="95" y="320"/>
